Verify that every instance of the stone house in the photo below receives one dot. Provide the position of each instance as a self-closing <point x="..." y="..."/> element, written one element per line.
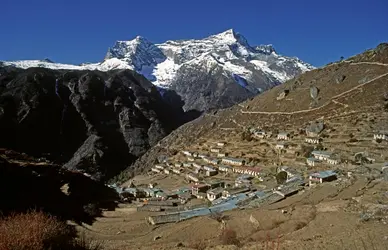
<point x="178" y="165"/>
<point x="214" y="194"/>
<point x="312" y="140"/>
<point x="233" y="161"/>
<point x="199" y="188"/>
<point x="312" y="162"/>
<point x="167" y="171"/>
<point x="283" y="136"/>
<point x="323" y="176"/>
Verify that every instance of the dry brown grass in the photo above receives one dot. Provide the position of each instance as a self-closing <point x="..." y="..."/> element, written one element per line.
<point x="199" y="245"/>
<point x="39" y="231"/>
<point x="228" y="236"/>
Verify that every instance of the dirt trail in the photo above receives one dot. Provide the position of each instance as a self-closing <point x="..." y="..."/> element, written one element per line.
<point x="313" y="109"/>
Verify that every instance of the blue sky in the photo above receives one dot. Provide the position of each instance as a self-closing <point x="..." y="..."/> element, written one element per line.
<point x="76" y="31"/>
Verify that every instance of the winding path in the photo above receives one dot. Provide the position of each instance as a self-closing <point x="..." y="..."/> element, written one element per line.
<point x="325" y="104"/>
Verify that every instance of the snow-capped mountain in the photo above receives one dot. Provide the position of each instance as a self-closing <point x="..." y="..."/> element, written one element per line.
<point x="213" y="72"/>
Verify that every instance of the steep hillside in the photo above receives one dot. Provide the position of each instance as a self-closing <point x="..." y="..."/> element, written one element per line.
<point x="350" y="96"/>
<point x="96" y="122"/>
<point x="27" y="183"/>
<point x="214" y="72"/>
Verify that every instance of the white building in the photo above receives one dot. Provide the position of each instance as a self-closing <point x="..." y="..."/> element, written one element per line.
<point x="211" y="172"/>
<point x="380" y="136"/>
<point x="215" y="150"/>
<point x="187" y="164"/>
<point x="187" y="153"/>
<point x="192" y="177"/>
<point x="224" y="168"/>
<point x="160" y="167"/>
<point x="178" y="165"/>
<point x="321" y="155"/>
<point x="214" y="194"/>
<point x="177" y="170"/>
<point x="155" y="170"/>
<point x="196" y="165"/>
<point x="312" y="140"/>
<point x="283" y="136"/>
<point x="333" y="161"/>
<point x="280" y="145"/>
<point x="312" y="161"/>
<point x="220" y="144"/>
<point x="233" y="161"/>
<point x="220" y="155"/>
<point x="190" y="159"/>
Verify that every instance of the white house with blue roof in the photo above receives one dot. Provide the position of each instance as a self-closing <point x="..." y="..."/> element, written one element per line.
<point x="323" y="176"/>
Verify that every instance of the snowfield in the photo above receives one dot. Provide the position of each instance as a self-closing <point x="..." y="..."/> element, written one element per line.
<point x="160" y="63"/>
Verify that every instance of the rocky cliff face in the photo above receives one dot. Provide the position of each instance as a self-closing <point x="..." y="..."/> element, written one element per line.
<point x="93" y="121"/>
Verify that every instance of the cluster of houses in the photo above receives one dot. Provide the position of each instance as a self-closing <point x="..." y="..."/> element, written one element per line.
<point x="320" y="156"/>
<point x="192" y="169"/>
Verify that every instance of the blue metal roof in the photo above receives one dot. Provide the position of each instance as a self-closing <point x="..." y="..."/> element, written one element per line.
<point x="324" y="174"/>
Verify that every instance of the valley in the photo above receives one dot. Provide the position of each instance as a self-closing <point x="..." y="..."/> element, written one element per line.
<point x="297" y="172"/>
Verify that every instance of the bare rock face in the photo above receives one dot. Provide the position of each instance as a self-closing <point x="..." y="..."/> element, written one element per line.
<point x="97" y="122"/>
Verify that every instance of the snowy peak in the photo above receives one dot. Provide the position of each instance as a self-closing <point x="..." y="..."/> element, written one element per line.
<point x="138" y="52"/>
<point x="265" y="49"/>
<point x="229" y="37"/>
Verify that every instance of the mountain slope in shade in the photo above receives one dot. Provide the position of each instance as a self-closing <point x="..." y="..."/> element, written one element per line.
<point x="214" y="72"/>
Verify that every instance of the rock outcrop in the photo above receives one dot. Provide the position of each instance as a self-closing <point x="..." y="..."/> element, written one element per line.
<point x="98" y="122"/>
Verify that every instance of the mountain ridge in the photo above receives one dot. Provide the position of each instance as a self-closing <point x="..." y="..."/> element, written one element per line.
<point x="220" y="64"/>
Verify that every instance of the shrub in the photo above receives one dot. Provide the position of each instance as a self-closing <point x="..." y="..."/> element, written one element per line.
<point x="92" y="210"/>
<point x="39" y="231"/>
<point x="229" y="237"/>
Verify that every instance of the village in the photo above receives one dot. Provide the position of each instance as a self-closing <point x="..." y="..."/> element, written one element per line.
<point x="213" y="178"/>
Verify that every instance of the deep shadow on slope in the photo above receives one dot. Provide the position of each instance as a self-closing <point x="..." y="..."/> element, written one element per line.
<point x="98" y="122"/>
<point x="26" y="184"/>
